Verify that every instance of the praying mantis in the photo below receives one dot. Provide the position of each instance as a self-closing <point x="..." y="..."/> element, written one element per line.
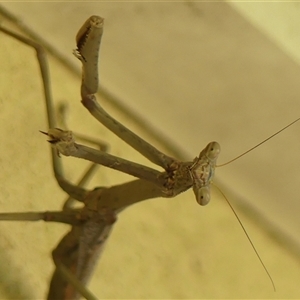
<point x="168" y="186"/>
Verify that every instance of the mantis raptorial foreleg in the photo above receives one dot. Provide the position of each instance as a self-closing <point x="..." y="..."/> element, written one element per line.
<point x="198" y="173"/>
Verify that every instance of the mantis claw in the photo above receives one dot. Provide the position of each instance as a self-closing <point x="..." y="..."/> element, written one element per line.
<point x="61" y="140"/>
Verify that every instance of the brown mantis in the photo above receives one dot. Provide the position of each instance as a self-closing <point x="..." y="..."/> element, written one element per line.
<point x="177" y="176"/>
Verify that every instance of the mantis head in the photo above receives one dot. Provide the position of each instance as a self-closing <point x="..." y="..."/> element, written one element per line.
<point x="202" y="172"/>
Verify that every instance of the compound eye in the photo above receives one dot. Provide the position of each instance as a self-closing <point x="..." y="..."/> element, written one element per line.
<point x="213" y="150"/>
<point x="202" y="195"/>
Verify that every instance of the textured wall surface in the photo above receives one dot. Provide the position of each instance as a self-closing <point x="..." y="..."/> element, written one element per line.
<point x="197" y="72"/>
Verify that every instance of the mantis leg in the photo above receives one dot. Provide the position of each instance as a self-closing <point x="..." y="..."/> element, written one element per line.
<point x="76" y="255"/>
<point x="88" y="44"/>
<point x="62" y="116"/>
<point x="74" y="191"/>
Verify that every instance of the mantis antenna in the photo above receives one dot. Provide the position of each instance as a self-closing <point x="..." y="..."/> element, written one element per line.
<point x="207" y="196"/>
<point x="248" y="237"/>
<point x="256" y="146"/>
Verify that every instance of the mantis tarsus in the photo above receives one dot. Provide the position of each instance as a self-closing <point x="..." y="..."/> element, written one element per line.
<point x="178" y="176"/>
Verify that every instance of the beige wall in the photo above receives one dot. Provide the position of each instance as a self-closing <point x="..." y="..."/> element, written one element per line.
<point x="197" y="72"/>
